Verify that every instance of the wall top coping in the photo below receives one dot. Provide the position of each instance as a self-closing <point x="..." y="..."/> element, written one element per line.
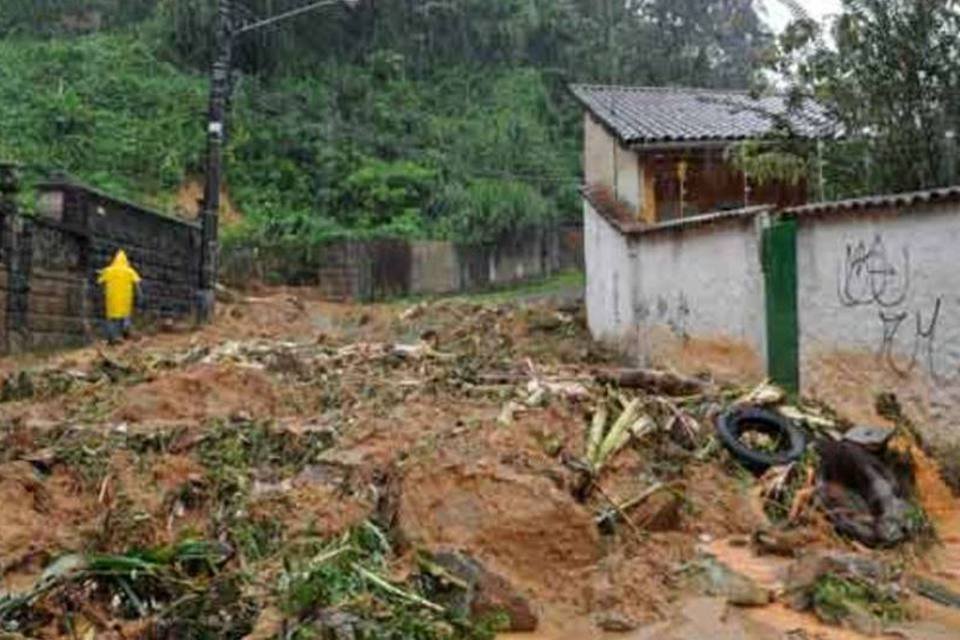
<point x="599" y="199"/>
<point x="68" y="185"/>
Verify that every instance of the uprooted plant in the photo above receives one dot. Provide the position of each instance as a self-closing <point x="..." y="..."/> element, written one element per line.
<point x="183" y="590"/>
<point x="340" y="587"/>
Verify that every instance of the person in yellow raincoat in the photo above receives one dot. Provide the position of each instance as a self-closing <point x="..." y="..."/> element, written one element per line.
<point x="121" y="285"/>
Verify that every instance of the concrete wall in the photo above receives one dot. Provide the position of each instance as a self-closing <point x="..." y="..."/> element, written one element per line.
<point x="685" y="296"/>
<point x="58" y="312"/>
<point x="879" y="301"/>
<point x="599" y="162"/>
<point x="611" y="280"/>
<point x="435" y="268"/>
<point x="878" y="297"/>
<point x="701" y="289"/>
<point x="379" y="269"/>
<point x="608" y="163"/>
<point x="628" y="178"/>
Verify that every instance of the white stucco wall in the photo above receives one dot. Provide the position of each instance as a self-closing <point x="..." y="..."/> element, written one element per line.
<point x="854" y="269"/>
<point x="607" y="162"/>
<point x="611" y="278"/>
<point x="599" y="161"/>
<point x="878" y="298"/>
<point x="702" y="282"/>
<point x="879" y="308"/>
<point x="628" y="181"/>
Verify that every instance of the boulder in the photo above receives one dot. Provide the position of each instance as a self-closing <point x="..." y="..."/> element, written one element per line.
<point x="463" y="584"/>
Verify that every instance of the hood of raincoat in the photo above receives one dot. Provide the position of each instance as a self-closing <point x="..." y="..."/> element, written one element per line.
<point x="120" y="261"/>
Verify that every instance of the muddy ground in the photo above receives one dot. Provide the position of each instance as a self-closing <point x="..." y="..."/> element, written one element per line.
<point x="310" y="470"/>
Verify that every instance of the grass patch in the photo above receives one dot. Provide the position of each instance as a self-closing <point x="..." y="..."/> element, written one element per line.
<point x="836" y="599"/>
<point x="563" y="283"/>
<point x="341" y="585"/>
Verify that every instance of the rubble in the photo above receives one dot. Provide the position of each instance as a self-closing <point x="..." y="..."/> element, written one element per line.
<point x="862" y="496"/>
<point x="718" y="580"/>
<point x="472" y="590"/>
<point x="849" y="590"/>
<point x="446" y="470"/>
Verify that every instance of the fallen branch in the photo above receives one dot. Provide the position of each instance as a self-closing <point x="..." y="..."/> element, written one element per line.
<point x="618" y="510"/>
<point x="655" y="382"/>
<point x="643" y="497"/>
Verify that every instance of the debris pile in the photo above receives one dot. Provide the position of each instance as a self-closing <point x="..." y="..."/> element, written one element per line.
<point x="446" y="470"/>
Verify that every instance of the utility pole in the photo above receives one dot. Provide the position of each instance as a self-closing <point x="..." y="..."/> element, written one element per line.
<point x="216" y="130"/>
<point x="220" y="84"/>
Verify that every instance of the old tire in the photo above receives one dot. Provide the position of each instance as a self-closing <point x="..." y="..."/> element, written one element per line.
<point x="733" y="424"/>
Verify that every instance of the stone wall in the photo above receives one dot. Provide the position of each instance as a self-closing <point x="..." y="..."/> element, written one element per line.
<point x="50" y="262"/>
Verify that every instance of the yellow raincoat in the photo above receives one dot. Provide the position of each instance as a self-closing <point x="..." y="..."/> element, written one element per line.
<point x="119" y="281"/>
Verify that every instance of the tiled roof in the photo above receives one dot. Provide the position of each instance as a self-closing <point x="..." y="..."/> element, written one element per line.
<point x="896" y="200"/>
<point x="646" y="115"/>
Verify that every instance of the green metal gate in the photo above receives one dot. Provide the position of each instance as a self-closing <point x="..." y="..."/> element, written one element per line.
<point x="780" y="280"/>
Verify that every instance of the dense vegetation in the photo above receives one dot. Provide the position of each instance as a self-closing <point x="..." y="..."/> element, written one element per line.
<point x="447" y="119"/>
<point x="887" y="70"/>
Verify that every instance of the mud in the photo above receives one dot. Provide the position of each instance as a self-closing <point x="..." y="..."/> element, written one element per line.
<point x="40" y="518"/>
<point x="198" y="394"/>
<point x="333" y="429"/>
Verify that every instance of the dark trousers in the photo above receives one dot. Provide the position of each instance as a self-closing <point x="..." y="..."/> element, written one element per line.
<point x="117" y="328"/>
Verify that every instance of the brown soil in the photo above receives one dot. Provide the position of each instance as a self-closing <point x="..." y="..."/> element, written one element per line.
<point x="418" y="443"/>
<point x="522" y="525"/>
<point x="725" y="358"/>
<point x="191" y="194"/>
<point x="198" y="394"/>
<point x="40" y="518"/>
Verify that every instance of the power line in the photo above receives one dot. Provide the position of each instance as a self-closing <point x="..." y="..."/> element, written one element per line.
<point x="291" y="14"/>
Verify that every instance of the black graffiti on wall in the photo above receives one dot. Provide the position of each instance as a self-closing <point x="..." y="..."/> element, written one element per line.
<point x="873" y="276"/>
<point x="923" y="334"/>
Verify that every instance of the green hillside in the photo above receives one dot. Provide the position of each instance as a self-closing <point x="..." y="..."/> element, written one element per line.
<point x="395" y="118"/>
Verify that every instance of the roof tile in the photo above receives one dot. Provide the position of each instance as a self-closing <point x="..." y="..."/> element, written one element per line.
<point x="649" y="115"/>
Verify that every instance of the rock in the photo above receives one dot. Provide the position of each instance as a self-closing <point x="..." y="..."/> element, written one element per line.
<point x="721" y="581"/>
<point x="781" y="543"/>
<point x="333" y="624"/>
<point x="936" y="592"/>
<point x="801" y="578"/>
<point x="803" y="575"/>
<point x="862" y="621"/>
<point x="460" y="582"/>
<point x="616" y="622"/>
<point x="873" y="438"/>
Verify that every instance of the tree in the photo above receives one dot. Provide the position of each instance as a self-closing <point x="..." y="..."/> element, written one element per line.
<point x="892" y="81"/>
